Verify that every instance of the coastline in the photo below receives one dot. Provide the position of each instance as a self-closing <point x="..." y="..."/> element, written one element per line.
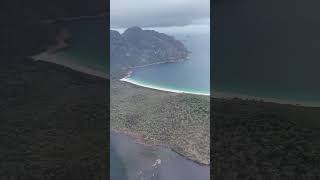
<point x="53" y="58"/>
<point x="137" y="138"/>
<point x="220" y="94"/>
<point x="158" y="115"/>
<point x="231" y="95"/>
<point x="125" y="79"/>
<point x="49" y="55"/>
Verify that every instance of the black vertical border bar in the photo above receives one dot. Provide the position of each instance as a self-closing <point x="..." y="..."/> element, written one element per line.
<point x="211" y="84"/>
<point x="108" y="98"/>
<point x="214" y="172"/>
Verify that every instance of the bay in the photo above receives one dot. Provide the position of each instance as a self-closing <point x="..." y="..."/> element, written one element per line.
<point x="129" y="160"/>
<point x="88" y="45"/>
<point x="189" y="76"/>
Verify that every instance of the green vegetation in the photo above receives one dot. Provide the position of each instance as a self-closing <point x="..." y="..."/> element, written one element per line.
<point x="261" y="140"/>
<point x="52" y="122"/>
<point x="179" y="121"/>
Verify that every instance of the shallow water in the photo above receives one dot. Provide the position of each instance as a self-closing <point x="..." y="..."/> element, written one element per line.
<point x="190" y="76"/>
<point x="128" y="160"/>
<point x="297" y="84"/>
<point x="133" y="161"/>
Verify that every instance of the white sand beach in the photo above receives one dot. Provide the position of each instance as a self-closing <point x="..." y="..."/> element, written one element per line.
<point x="126" y="79"/>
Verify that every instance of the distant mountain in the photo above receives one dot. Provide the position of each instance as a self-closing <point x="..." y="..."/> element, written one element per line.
<point x="139" y="47"/>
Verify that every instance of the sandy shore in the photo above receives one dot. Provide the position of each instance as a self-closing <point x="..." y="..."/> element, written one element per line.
<point x="161" y="88"/>
<point x="179" y="121"/>
<point x="53" y="58"/>
<point x="127" y="79"/>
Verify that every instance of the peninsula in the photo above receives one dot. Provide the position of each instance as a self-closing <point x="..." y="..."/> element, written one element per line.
<point x="138" y="47"/>
<point x="176" y="120"/>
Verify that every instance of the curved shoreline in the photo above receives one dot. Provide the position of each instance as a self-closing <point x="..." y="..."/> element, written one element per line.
<point x="125" y="79"/>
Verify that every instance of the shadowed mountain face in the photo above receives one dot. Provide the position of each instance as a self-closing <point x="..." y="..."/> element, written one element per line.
<point x="277" y="41"/>
<point x="139" y="47"/>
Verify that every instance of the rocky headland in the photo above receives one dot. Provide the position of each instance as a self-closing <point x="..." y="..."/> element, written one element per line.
<point x="138" y="47"/>
<point x="178" y="121"/>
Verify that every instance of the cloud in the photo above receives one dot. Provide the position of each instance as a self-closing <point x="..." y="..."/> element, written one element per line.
<point x="146" y="13"/>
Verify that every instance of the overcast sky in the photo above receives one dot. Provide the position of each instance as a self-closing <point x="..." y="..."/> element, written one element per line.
<point x="146" y="13"/>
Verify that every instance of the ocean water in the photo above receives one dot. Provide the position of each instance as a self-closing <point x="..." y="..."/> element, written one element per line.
<point x="273" y="81"/>
<point x="88" y="45"/>
<point x="272" y="56"/>
<point x="190" y="76"/>
<point x="133" y="161"/>
<point x="128" y="159"/>
<point x="285" y="80"/>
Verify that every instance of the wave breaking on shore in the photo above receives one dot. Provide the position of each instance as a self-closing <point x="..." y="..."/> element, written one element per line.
<point x="126" y="79"/>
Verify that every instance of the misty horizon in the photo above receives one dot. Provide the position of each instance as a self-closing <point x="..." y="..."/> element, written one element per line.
<point x="125" y="14"/>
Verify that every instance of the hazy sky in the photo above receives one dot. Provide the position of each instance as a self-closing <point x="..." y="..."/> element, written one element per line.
<point x="144" y="13"/>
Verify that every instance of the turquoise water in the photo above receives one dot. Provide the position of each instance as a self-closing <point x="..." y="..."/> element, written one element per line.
<point x="128" y="160"/>
<point x="190" y="76"/>
<point x="284" y="81"/>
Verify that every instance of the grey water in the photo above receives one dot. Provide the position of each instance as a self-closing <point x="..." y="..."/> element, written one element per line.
<point x="268" y="56"/>
<point x="133" y="161"/>
<point x="88" y="44"/>
<point x="191" y="75"/>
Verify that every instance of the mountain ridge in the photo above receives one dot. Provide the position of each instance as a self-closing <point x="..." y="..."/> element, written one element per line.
<point x="135" y="47"/>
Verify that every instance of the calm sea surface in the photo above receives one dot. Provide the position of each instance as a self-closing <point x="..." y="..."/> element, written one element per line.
<point x="130" y="160"/>
<point x="133" y="161"/>
<point x="190" y="76"/>
<point x="88" y="45"/>
<point x="193" y="75"/>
